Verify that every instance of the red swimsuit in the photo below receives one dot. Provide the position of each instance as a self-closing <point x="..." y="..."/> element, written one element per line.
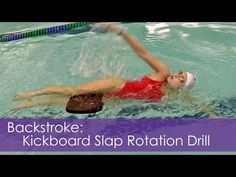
<point x="144" y="89"/>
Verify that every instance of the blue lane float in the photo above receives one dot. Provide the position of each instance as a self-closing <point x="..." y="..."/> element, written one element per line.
<point x="73" y="28"/>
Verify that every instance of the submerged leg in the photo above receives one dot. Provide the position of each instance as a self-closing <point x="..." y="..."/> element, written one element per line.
<point x="47" y="91"/>
<point x="57" y="101"/>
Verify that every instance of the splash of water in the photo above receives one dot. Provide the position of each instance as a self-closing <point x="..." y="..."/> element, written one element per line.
<point x="102" y="55"/>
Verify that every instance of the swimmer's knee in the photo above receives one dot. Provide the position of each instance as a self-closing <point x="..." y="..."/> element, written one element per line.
<point x="59" y="89"/>
<point x="55" y="87"/>
<point x="112" y="83"/>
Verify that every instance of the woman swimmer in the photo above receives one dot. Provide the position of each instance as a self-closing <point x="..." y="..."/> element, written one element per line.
<point x="153" y="86"/>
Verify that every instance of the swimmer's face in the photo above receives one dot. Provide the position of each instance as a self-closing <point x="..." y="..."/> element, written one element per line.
<point x="177" y="80"/>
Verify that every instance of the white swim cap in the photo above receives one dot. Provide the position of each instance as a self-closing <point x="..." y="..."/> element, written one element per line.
<point x="191" y="80"/>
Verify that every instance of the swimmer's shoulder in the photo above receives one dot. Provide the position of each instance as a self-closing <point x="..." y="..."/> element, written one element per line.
<point x="156" y="76"/>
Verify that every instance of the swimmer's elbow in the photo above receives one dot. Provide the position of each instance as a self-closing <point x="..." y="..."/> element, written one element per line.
<point x="158" y="65"/>
<point x="165" y="71"/>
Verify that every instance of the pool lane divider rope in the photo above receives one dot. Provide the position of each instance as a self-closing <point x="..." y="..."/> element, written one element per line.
<point x="79" y="27"/>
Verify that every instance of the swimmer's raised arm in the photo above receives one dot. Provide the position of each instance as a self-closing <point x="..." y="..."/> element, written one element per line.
<point x="140" y="50"/>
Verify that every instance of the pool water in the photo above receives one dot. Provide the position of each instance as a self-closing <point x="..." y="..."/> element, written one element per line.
<point x="206" y="49"/>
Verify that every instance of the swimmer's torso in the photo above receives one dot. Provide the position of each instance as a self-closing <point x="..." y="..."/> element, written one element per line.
<point x="143" y="89"/>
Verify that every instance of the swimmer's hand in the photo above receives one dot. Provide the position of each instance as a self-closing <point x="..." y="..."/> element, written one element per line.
<point x="213" y="115"/>
<point x="105" y="27"/>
